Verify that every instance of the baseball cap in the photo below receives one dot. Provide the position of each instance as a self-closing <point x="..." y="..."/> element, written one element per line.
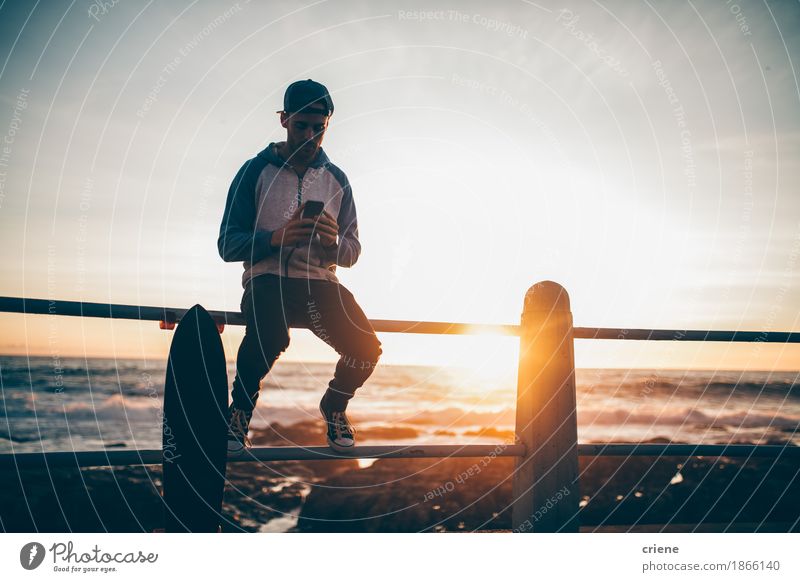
<point x="308" y="97"/>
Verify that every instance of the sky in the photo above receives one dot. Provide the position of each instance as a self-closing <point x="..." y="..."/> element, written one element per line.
<point x="643" y="155"/>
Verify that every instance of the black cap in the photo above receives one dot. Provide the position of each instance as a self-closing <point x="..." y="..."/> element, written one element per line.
<point x="307" y="97"/>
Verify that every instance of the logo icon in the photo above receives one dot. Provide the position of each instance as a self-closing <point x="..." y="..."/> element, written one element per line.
<point x="31" y="555"/>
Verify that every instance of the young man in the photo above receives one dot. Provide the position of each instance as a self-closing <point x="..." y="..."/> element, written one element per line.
<point x="290" y="260"/>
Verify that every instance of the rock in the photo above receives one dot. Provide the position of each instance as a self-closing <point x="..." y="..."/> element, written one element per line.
<point x="409" y="495"/>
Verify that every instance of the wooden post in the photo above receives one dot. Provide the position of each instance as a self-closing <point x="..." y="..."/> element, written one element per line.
<point x="546" y="492"/>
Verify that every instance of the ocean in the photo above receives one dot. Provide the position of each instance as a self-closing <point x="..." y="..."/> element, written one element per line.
<point x="91" y="404"/>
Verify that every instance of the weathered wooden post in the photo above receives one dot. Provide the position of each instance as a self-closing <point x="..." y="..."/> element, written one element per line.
<point x="546" y="492"/>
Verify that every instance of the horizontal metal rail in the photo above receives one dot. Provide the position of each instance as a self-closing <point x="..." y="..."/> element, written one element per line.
<point x="109" y="458"/>
<point x="118" y="458"/>
<point x="174" y="315"/>
<point x="686" y="450"/>
<point x="690" y="335"/>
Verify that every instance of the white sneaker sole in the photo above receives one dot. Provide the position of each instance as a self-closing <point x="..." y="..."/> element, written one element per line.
<point x="336" y="447"/>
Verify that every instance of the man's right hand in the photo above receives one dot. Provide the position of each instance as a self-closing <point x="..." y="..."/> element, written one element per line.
<point x="298" y="229"/>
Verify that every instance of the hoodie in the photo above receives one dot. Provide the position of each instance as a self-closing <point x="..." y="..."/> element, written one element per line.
<point x="262" y="198"/>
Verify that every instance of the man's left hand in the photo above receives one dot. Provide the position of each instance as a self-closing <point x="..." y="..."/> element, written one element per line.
<point x="327" y="228"/>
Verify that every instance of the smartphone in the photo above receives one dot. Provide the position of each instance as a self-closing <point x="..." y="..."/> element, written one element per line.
<point x="312" y="208"/>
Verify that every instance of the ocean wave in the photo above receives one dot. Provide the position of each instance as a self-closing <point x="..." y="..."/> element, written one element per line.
<point x="456" y="416"/>
<point x="116" y="407"/>
<point x="689" y="383"/>
<point x="676" y="417"/>
<point x="687" y="417"/>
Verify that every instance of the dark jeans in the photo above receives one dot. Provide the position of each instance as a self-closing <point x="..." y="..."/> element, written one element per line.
<point x="271" y="304"/>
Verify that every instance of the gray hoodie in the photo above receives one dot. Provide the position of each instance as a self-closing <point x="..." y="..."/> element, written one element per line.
<point x="263" y="196"/>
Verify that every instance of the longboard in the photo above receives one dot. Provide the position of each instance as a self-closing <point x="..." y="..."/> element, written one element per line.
<point x="194" y="428"/>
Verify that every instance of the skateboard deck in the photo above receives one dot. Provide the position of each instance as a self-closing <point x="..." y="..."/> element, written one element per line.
<point x="194" y="427"/>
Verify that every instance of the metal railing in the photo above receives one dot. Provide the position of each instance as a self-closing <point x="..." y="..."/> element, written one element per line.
<point x="546" y="450"/>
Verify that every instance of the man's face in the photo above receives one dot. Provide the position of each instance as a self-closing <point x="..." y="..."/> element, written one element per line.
<point x="304" y="133"/>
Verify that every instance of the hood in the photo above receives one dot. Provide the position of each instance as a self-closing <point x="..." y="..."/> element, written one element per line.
<point x="271" y="156"/>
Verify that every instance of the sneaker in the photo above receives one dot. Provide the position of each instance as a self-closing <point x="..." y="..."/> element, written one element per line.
<point x="238" y="427"/>
<point x="340" y="433"/>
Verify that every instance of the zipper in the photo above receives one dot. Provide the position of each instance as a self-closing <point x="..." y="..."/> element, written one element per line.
<point x="299" y="199"/>
<point x="299" y="189"/>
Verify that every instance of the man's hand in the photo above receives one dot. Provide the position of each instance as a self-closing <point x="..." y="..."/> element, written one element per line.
<point x="298" y="229"/>
<point x="327" y="228"/>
